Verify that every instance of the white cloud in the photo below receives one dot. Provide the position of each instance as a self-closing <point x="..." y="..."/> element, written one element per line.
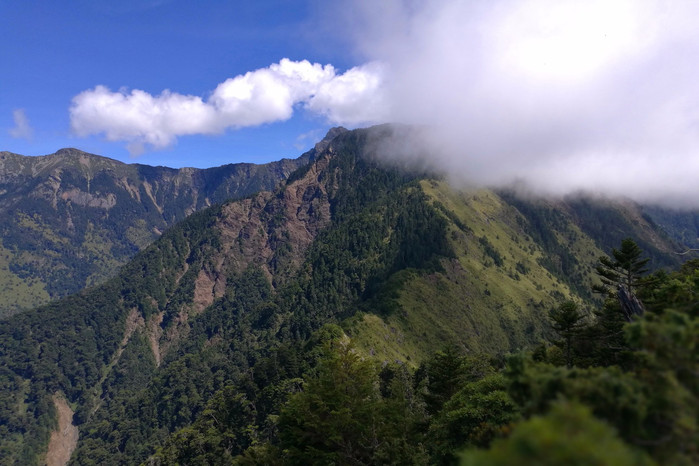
<point x="22" y="128"/>
<point x="355" y="97"/>
<point x="262" y="96"/>
<point x="563" y="95"/>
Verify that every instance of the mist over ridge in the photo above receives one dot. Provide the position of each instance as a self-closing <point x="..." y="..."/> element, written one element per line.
<point x="558" y="97"/>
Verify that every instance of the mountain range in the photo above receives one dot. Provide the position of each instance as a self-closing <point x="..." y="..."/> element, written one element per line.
<point x="238" y="283"/>
<point x="71" y="219"/>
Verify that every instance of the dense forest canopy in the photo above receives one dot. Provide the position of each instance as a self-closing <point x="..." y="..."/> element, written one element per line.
<point x="534" y="407"/>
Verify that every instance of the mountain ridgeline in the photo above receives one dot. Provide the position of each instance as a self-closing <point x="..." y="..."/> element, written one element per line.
<point x="71" y="219"/>
<point x="227" y="310"/>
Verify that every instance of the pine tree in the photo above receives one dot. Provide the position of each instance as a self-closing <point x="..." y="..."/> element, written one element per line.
<point x="623" y="275"/>
<point x="335" y="419"/>
<point x="445" y="376"/>
<point x="568" y="323"/>
<point x="627" y="267"/>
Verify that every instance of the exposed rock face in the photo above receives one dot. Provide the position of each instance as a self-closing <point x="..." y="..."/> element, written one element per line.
<point x="325" y="142"/>
<point x="270" y="231"/>
<point x="85" y="199"/>
<point x="254" y="229"/>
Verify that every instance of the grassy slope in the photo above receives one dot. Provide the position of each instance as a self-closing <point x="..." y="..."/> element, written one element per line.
<point x="18" y="293"/>
<point x="475" y="303"/>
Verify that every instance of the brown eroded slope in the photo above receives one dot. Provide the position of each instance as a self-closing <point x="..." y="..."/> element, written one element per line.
<point x="64" y="439"/>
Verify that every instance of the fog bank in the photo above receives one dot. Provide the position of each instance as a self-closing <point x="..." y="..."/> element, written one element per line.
<point x="559" y="96"/>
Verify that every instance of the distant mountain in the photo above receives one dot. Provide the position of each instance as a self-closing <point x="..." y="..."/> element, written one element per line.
<point x="230" y="303"/>
<point x="681" y="225"/>
<point x="71" y="219"/>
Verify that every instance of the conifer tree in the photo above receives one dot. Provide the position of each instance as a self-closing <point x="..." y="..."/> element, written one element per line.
<point x="445" y="375"/>
<point x="568" y="322"/>
<point x="623" y="275"/>
<point x="335" y="419"/>
<point x="626" y="268"/>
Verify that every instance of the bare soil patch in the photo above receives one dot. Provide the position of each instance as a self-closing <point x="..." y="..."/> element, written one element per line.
<point x="63" y="440"/>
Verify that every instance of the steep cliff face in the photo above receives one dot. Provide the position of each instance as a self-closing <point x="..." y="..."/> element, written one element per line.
<point x="71" y="219"/>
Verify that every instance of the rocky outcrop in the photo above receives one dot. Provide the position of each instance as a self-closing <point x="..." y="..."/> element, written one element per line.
<point x="254" y="230"/>
<point x="86" y="199"/>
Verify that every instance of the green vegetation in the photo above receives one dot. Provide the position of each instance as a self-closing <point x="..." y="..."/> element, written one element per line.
<point x="111" y="374"/>
<point x="680" y="225"/>
<point x="67" y="345"/>
<point x="535" y="411"/>
<point x="470" y="302"/>
<point x="347" y="409"/>
<point x="569" y="323"/>
<point x="626" y="269"/>
<point x="18" y="293"/>
<point x="569" y="434"/>
<point x="357" y="314"/>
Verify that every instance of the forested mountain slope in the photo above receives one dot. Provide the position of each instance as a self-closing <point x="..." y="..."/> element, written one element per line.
<point x="229" y="308"/>
<point x="682" y="225"/>
<point x="70" y="219"/>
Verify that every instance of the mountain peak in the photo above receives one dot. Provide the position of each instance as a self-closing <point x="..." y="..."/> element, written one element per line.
<point x="69" y="151"/>
<point x="331" y="134"/>
<point x="334" y="132"/>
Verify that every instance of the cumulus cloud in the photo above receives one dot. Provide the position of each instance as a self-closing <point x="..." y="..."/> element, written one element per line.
<point x="22" y="128"/>
<point x="557" y="95"/>
<point x="262" y="96"/>
<point x="353" y="98"/>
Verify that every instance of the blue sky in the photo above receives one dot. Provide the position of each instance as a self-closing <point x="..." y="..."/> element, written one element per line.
<point x="557" y="96"/>
<point x="54" y="50"/>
